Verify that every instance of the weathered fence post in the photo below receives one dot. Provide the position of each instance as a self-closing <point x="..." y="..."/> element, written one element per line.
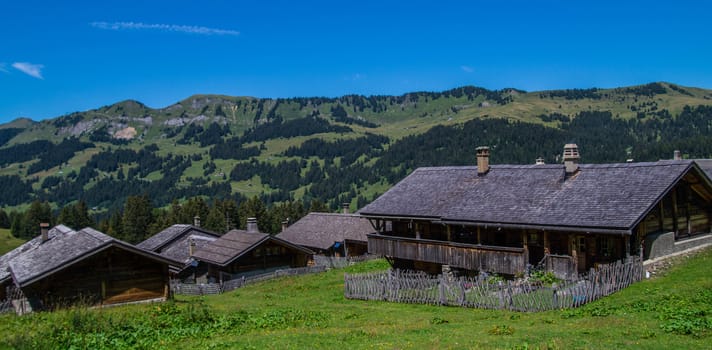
<point x="461" y="284"/>
<point x="555" y="296"/>
<point x="510" y="295"/>
<point x="499" y="294"/>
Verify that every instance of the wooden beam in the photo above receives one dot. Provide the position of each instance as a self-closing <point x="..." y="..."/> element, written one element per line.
<point x="547" y="247"/>
<point x="525" y="244"/>
<point x="675" y="214"/>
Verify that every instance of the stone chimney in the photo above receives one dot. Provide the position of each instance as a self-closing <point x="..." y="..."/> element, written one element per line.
<point x="676" y="155"/>
<point x="285" y="223"/>
<point x="571" y="158"/>
<point x="345" y="208"/>
<point x="482" y="160"/>
<point x="44" y="231"/>
<point x="196" y="221"/>
<point x="191" y="246"/>
<point x="252" y="225"/>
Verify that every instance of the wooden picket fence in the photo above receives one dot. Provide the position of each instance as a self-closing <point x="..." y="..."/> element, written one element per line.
<point x="333" y="262"/>
<point x="418" y="287"/>
<point x="15" y="301"/>
<point x="178" y="287"/>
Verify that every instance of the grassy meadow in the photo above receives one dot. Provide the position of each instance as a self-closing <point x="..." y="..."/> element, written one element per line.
<point x="7" y="241"/>
<point x="673" y="311"/>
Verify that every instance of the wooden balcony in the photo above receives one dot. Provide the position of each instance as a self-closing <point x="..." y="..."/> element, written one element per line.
<point x="505" y="260"/>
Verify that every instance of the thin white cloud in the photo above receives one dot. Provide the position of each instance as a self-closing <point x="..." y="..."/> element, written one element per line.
<point x="3" y="67"/>
<point x="163" y="28"/>
<point x="31" y="69"/>
<point x="467" y="69"/>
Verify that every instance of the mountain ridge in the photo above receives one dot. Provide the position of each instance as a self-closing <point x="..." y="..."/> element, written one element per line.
<point x="347" y="148"/>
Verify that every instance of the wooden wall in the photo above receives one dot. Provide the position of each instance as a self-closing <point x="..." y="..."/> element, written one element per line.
<point x="112" y="276"/>
<point x="496" y="259"/>
<point x="682" y="211"/>
<point x="267" y="255"/>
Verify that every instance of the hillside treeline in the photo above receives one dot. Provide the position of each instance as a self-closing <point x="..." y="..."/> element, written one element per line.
<point x="139" y="219"/>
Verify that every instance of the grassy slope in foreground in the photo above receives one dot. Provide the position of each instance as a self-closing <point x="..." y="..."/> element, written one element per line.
<point x="669" y="312"/>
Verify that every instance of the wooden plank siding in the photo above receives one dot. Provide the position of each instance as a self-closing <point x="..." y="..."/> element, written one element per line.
<point x="112" y="276"/>
<point x="683" y="211"/>
<point x="506" y="260"/>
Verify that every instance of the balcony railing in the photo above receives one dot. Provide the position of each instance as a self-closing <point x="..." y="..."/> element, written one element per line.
<point x="506" y="260"/>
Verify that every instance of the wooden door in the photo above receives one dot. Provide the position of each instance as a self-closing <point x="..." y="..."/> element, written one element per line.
<point x="580" y="246"/>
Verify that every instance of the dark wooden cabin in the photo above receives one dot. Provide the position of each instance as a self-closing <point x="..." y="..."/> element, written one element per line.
<point x="566" y="218"/>
<point x="179" y="242"/>
<point x="330" y="234"/>
<point x="249" y="252"/>
<point x="64" y="267"/>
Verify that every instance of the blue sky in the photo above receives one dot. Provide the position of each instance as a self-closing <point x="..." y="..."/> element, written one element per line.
<point x="60" y="57"/>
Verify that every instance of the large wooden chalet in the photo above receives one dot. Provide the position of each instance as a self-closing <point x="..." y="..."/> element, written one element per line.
<point x="568" y="217"/>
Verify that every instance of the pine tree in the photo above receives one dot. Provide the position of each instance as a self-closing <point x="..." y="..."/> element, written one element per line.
<point x="4" y="220"/>
<point x="216" y="220"/>
<point x="253" y="208"/>
<point x="75" y="216"/>
<point x="318" y="206"/>
<point x="195" y="206"/>
<point x="138" y="216"/>
<point x="28" y="226"/>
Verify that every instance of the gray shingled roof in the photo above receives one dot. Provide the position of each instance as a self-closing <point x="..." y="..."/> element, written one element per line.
<point x="174" y="241"/>
<point x="55" y="232"/>
<point x="180" y="249"/>
<point x="599" y="196"/>
<point x="322" y="230"/>
<point x="64" y="248"/>
<point x="236" y="243"/>
<point x="706" y="165"/>
<point x="165" y="237"/>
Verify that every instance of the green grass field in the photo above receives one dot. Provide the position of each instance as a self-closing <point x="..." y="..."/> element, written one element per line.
<point x="7" y="241"/>
<point x="669" y="312"/>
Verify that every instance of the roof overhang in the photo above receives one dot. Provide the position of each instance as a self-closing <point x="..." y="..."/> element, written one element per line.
<point x="561" y="228"/>
<point x="524" y="226"/>
<point x="399" y="217"/>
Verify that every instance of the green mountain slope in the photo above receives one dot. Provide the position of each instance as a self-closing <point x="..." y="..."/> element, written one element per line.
<point x="349" y="148"/>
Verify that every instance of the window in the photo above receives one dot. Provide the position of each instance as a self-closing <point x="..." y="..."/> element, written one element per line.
<point x="603" y="246"/>
<point x="581" y="245"/>
<point x="533" y="239"/>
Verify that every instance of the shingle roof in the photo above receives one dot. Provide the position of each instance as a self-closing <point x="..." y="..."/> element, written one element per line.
<point x="63" y="248"/>
<point x="161" y="239"/>
<point x="598" y="196"/>
<point x="174" y="241"/>
<point x="706" y="165"/>
<point x="322" y="230"/>
<point x="236" y="243"/>
<point x="229" y="246"/>
<point x="180" y="249"/>
<point x="53" y="233"/>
